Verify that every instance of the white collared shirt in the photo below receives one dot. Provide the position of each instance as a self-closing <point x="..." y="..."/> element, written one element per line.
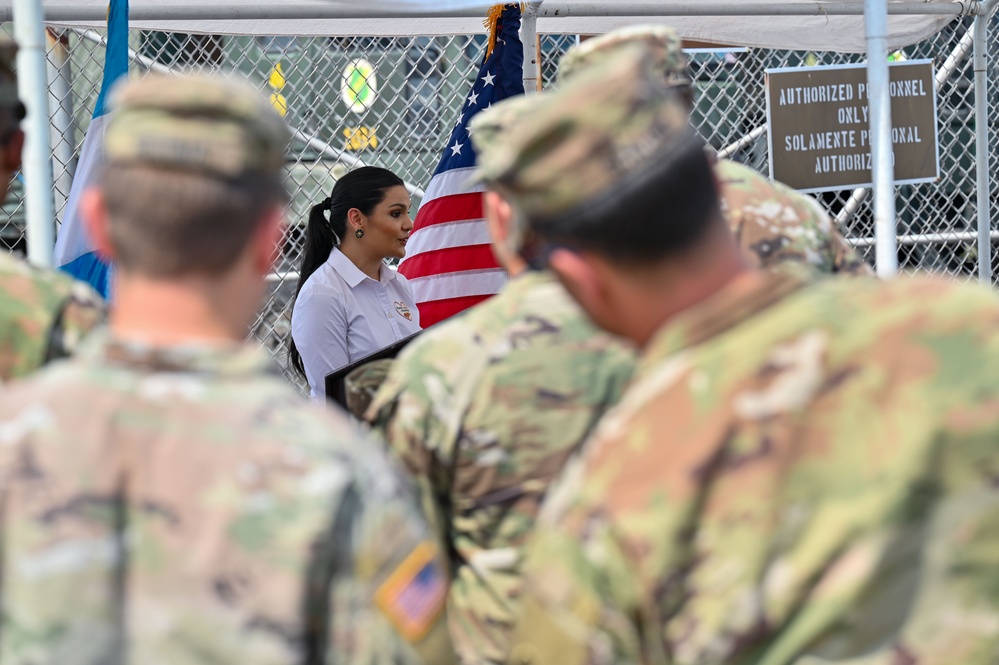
<point x="342" y="315"/>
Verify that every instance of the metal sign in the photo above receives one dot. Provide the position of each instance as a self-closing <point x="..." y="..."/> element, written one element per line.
<point x="819" y="130"/>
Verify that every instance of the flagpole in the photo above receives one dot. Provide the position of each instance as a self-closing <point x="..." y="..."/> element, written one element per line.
<point x="32" y="84"/>
<point x="529" y="37"/>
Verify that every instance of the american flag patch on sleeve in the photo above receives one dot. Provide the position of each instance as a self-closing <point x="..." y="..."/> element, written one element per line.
<point x="414" y="595"/>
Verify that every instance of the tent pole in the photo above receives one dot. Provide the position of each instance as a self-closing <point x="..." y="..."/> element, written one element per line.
<point x="984" y="201"/>
<point x="532" y="54"/>
<point x="257" y="11"/>
<point x="879" y="102"/>
<point x="32" y="85"/>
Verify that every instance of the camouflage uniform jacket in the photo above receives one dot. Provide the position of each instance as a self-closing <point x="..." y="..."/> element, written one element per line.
<point x="776" y="225"/>
<point x="484" y="410"/>
<point x="794" y="476"/>
<point x="43" y="316"/>
<point x="182" y="505"/>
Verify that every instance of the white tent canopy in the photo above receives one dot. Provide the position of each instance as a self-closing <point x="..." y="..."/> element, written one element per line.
<point x="827" y="28"/>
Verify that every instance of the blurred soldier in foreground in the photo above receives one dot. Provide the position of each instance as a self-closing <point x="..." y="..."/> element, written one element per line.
<point x="43" y="314"/>
<point x="773" y="224"/>
<point x="797" y="474"/>
<point x="167" y="498"/>
<point x="484" y="409"/>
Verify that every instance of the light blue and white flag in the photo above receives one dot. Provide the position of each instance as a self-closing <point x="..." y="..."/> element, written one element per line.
<point x="74" y="251"/>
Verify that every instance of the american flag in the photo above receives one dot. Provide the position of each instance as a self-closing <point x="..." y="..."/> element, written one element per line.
<point x="449" y="261"/>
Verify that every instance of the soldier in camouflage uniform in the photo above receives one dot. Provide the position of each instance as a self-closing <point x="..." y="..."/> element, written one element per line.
<point x="43" y="314"/>
<point x="167" y="497"/>
<point x="797" y="473"/>
<point x="485" y="408"/>
<point x="774" y="225"/>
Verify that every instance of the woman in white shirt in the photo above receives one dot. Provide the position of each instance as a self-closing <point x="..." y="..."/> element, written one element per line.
<point x="349" y="303"/>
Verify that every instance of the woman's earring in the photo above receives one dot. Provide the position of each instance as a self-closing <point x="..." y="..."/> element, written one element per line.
<point x="359" y="233"/>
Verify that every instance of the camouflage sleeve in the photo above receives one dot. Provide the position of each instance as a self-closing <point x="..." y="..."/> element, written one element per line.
<point x="388" y="587"/>
<point x="82" y="311"/>
<point x="418" y="413"/>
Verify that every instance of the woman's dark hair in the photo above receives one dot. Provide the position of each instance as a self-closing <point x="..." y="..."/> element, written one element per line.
<point x="363" y="188"/>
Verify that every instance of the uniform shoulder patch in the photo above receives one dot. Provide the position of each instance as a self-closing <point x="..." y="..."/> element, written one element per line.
<point x="414" y="595"/>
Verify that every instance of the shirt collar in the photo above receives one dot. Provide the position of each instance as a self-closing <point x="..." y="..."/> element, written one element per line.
<point x="743" y="298"/>
<point x="206" y="358"/>
<point x="351" y="274"/>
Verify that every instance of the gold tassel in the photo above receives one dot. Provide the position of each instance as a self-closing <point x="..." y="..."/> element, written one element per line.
<point x="492" y="24"/>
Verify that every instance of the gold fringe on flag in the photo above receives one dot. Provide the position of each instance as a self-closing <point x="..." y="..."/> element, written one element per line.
<point x="492" y="23"/>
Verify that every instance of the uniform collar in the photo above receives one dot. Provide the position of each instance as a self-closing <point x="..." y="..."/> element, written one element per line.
<point x="207" y="358"/>
<point x="530" y="278"/>
<point x="351" y="274"/>
<point x="740" y="300"/>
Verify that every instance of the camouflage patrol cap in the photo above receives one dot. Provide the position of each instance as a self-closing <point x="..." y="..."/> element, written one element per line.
<point x="665" y="48"/>
<point x="609" y="129"/>
<point x="488" y="128"/>
<point x="196" y="123"/>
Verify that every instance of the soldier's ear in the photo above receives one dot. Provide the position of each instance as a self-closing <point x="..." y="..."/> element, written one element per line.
<point x="715" y="179"/>
<point x="597" y="286"/>
<point x="580" y="279"/>
<point x="499" y="215"/>
<point x="95" y="217"/>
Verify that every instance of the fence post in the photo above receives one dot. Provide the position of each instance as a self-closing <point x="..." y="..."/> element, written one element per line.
<point x="946" y="70"/>
<point x="984" y="199"/>
<point x="32" y="84"/>
<point x="879" y="101"/>
<point x="529" y="37"/>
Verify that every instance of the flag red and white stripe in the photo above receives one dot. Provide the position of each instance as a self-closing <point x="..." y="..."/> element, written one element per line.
<point x="449" y="259"/>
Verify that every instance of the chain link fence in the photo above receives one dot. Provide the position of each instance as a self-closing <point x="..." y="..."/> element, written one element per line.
<point x="937" y="222"/>
<point x="392" y="102"/>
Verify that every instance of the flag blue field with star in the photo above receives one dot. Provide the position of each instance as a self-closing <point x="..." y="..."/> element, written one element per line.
<point x="74" y="252"/>
<point x="501" y="76"/>
<point x="449" y="259"/>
